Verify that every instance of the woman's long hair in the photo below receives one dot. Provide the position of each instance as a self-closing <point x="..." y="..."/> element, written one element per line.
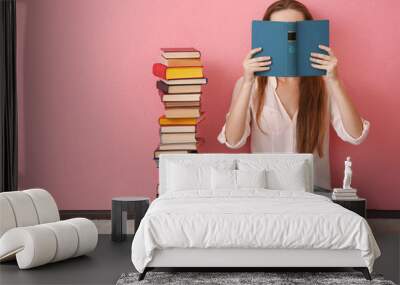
<point x="311" y="127"/>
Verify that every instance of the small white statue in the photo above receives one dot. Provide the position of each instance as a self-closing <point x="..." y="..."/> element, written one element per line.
<point x="347" y="174"/>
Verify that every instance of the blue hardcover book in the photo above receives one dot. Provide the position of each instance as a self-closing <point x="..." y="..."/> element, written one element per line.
<point x="289" y="44"/>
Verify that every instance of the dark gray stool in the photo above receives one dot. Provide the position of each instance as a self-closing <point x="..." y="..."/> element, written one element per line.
<point x="124" y="208"/>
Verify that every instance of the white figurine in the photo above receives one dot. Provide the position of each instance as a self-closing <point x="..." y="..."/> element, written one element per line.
<point x="347" y="174"/>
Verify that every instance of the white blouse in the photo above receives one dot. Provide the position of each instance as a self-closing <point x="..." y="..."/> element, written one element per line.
<point x="280" y="131"/>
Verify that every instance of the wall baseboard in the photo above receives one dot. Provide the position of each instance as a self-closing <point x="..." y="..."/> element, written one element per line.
<point x="106" y="214"/>
<point x="88" y="214"/>
<point x="383" y="214"/>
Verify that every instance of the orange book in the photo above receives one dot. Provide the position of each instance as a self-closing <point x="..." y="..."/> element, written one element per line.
<point x="163" y="121"/>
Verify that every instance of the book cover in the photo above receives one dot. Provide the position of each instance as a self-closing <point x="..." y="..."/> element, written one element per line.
<point x="289" y="44"/>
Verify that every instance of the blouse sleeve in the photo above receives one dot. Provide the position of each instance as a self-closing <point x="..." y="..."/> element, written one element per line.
<point x="337" y="124"/>
<point x="247" y="130"/>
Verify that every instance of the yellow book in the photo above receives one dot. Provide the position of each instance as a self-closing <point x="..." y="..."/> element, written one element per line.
<point x="184" y="72"/>
<point x="169" y="73"/>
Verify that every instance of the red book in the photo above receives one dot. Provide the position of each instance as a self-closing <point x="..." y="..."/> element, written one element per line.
<point x="159" y="70"/>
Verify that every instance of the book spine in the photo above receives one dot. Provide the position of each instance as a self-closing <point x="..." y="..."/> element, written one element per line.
<point x="292" y="50"/>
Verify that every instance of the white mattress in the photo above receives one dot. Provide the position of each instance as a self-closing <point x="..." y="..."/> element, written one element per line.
<point x="250" y="219"/>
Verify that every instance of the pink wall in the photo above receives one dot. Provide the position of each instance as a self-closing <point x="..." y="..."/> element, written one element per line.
<point x="89" y="109"/>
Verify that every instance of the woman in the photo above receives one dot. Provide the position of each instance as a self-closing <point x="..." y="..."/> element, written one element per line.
<point x="292" y="114"/>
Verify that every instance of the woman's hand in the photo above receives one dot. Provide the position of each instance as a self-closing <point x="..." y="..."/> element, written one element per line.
<point x="251" y="65"/>
<point x="326" y="62"/>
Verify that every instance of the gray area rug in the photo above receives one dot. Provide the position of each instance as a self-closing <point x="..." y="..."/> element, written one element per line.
<point x="232" y="278"/>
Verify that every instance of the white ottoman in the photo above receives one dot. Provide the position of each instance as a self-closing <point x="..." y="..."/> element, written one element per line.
<point x="25" y="237"/>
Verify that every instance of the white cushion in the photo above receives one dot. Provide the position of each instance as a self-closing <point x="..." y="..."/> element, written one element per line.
<point x="26" y="208"/>
<point x="23" y="208"/>
<point x="281" y="174"/>
<point x="235" y="179"/>
<point x="7" y="218"/>
<point x="32" y="246"/>
<point x="185" y="175"/>
<point x="223" y="179"/>
<point x="182" y="178"/>
<point x="251" y="178"/>
<point x="46" y="207"/>
<point x="67" y="240"/>
<point x="87" y="233"/>
<point x="293" y="178"/>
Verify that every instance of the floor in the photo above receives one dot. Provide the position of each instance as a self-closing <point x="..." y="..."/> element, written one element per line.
<point x="103" y="266"/>
<point x="110" y="260"/>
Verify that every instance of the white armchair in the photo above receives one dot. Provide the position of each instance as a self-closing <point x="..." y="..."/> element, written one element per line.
<point x="31" y="230"/>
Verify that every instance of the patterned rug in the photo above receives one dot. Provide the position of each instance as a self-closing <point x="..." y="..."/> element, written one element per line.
<point x="244" y="278"/>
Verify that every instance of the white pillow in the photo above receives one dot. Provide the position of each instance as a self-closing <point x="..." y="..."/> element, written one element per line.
<point x="185" y="175"/>
<point x="251" y="178"/>
<point x="236" y="179"/>
<point x="182" y="178"/>
<point x="281" y="174"/>
<point x="293" y="179"/>
<point x="223" y="179"/>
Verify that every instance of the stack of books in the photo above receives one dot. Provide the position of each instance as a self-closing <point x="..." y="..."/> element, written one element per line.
<point x="344" y="194"/>
<point x="180" y="87"/>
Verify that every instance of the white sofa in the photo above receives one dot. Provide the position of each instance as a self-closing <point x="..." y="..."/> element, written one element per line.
<point x="31" y="230"/>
